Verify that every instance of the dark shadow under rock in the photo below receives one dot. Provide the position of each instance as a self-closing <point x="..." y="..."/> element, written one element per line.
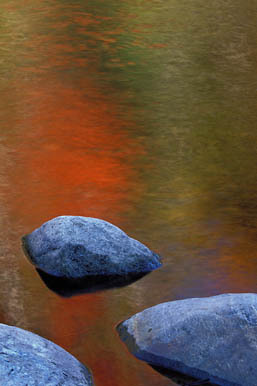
<point x="88" y="284"/>
<point x="182" y="379"/>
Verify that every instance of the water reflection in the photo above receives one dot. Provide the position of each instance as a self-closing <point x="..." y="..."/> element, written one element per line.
<point x="181" y="379"/>
<point x="142" y="114"/>
<point x="89" y="284"/>
<point x="74" y="148"/>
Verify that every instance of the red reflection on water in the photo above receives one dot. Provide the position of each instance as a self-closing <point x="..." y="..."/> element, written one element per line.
<point x="78" y="316"/>
<point x="74" y="155"/>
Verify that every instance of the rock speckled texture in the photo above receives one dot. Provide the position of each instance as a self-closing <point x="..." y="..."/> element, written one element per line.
<point x="75" y="246"/>
<point x="211" y="338"/>
<point x="26" y="359"/>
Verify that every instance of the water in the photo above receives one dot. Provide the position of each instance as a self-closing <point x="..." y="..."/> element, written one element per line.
<point x="142" y="113"/>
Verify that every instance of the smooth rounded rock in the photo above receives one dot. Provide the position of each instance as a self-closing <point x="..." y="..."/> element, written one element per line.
<point x="26" y="359"/>
<point x="76" y="246"/>
<point x="211" y="338"/>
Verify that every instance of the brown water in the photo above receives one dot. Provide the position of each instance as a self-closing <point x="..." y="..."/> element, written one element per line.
<point x="142" y="113"/>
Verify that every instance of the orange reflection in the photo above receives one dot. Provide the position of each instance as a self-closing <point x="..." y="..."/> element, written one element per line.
<point x="74" y="155"/>
<point x="78" y="315"/>
<point x="84" y="326"/>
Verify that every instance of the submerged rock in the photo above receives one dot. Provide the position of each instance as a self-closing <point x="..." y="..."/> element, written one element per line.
<point x="75" y="247"/>
<point x="28" y="360"/>
<point x="211" y="338"/>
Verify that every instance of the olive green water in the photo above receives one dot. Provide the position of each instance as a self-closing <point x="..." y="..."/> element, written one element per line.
<point x="142" y="113"/>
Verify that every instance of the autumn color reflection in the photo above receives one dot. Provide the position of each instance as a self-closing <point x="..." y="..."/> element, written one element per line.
<point x="73" y="155"/>
<point x="142" y="114"/>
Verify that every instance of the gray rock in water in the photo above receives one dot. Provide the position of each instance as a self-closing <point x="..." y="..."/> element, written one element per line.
<point x="211" y="338"/>
<point x="75" y="246"/>
<point x="27" y="359"/>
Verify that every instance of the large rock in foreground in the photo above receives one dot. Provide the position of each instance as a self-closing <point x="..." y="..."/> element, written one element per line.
<point x="211" y="338"/>
<point x="75" y="246"/>
<point x="27" y="359"/>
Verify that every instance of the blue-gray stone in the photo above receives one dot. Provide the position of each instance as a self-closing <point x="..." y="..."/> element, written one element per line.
<point x="211" y="338"/>
<point x="26" y="359"/>
<point x="75" y="246"/>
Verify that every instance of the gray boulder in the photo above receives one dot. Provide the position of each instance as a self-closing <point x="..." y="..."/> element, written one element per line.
<point x="211" y="338"/>
<point x="75" y="246"/>
<point x="27" y="359"/>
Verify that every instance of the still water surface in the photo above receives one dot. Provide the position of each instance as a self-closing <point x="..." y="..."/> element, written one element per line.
<point x="142" y="113"/>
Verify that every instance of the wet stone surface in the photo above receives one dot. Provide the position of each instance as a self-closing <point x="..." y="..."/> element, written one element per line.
<point x="76" y="246"/>
<point x="26" y="359"/>
<point x="210" y="339"/>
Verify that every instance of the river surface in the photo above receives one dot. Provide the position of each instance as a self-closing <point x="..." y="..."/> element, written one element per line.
<point x="142" y="113"/>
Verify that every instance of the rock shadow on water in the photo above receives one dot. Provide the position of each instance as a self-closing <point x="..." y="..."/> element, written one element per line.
<point x="182" y="379"/>
<point x="65" y="287"/>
